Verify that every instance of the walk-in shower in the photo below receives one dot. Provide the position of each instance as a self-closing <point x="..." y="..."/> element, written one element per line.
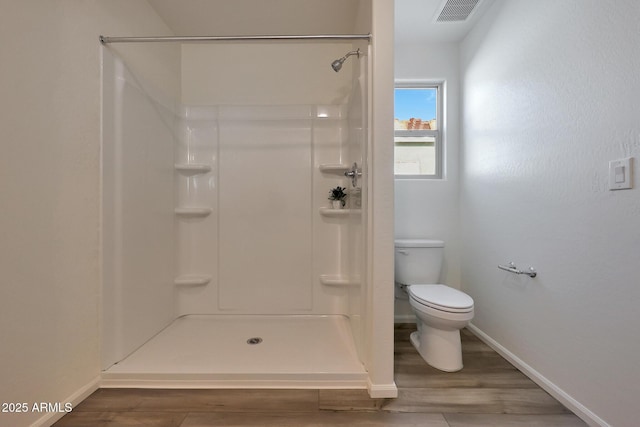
<point x="223" y="264"/>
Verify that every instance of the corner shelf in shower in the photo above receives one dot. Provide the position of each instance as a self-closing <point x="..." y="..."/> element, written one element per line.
<point x="193" y="212"/>
<point x="337" y="280"/>
<point x="192" y="168"/>
<point x="336" y="168"/>
<point x="192" y="280"/>
<point x="338" y="213"/>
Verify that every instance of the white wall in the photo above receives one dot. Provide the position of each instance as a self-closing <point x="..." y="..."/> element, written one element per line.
<point x="551" y="94"/>
<point x="427" y="208"/>
<point x="49" y="193"/>
<point x="379" y="316"/>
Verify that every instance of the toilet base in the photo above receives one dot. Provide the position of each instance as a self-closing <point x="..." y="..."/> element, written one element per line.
<point x="439" y="348"/>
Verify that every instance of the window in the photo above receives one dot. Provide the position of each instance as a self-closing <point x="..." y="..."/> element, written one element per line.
<point x="418" y="130"/>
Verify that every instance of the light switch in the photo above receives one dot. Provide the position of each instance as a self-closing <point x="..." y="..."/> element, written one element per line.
<point x="620" y="177"/>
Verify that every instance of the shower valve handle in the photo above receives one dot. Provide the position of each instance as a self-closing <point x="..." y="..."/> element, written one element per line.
<point x="354" y="173"/>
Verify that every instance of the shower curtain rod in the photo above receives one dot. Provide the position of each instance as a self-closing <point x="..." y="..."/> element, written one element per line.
<point x="106" y="39"/>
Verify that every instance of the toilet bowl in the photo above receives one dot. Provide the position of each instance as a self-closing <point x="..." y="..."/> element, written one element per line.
<point x="441" y="311"/>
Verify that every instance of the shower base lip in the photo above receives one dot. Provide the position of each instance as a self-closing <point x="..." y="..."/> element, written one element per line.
<point x="221" y="381"/>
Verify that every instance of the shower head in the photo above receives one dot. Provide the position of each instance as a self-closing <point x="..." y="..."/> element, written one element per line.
<point x="337" y="64"/>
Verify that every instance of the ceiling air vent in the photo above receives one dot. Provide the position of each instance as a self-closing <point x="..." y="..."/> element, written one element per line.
<point x="456" y="10"/>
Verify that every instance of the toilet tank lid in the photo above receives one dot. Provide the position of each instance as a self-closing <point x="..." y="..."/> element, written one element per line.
<point x="419" y="243"/>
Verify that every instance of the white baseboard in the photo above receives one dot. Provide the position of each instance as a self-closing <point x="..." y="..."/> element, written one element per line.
<point x="576" y="407"/>
<point x="75" y="398"/>
<point x="404" y="318"/>
<point x="380" y="391"/>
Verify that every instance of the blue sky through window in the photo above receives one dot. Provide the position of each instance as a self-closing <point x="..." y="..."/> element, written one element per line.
<point x="416" y="103"/>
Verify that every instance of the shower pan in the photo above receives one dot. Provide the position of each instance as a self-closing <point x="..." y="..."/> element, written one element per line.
<point x="222" y="264"/>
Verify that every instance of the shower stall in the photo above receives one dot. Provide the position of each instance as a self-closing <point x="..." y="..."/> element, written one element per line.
<point x="223" y="263"/>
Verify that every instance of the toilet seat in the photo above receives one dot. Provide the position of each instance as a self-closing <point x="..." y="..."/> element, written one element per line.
<point x="441" y="297"/>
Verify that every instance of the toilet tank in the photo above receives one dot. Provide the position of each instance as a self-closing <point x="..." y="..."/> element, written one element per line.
<point x="418" y="261"/>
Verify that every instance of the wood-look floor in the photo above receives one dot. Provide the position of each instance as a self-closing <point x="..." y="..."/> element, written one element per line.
<point x="487" y="392"/>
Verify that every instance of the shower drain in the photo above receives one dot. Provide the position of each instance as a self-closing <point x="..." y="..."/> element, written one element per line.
<point x="254" y="340"/>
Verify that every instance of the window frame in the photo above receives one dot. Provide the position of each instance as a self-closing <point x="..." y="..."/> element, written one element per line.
<point x="437" y="134"/>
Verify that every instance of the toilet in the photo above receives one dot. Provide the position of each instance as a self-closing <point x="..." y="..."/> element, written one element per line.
<point x="441" y="311"/>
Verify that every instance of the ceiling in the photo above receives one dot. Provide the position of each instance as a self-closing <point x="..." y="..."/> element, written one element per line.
<point x="257" y="17"/>
<point x="414" y="19"/>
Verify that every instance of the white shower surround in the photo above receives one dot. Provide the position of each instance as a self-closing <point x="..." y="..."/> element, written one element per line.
<point x="225" y="181"/>
<point x="264" y="244"/>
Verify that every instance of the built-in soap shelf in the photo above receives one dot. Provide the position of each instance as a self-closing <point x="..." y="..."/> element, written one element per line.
<point x="338" y="280"/>
<point x="334" y="168"/>
<point x="193" y="212"/>
<point x="192" y="168"/>
<point x="192" y="280"/>
<point x="338" y="213"/>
